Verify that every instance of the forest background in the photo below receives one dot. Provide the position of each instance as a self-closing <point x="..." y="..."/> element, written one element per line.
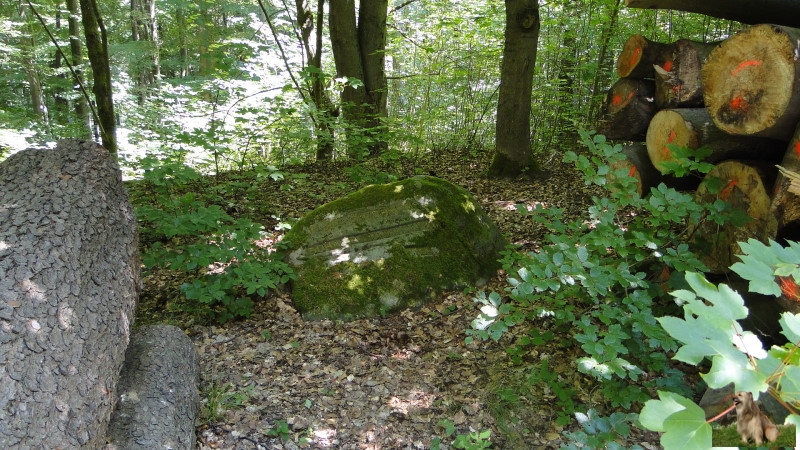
<point x="253" y="87"/>
<point x="219" y="81"/>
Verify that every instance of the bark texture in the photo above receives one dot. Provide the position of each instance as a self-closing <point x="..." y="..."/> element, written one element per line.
<point x="638" y="56"/>
<point x="97" y="49"/>
<point x="513" y="152"/>
<point x="678" y="82"/>
<point x="69" y="276"/>
<point x="157" y="392"/>
<point x="786" y="204"/>
<point x="782" y="12"/>
<point x="628" y="110"/>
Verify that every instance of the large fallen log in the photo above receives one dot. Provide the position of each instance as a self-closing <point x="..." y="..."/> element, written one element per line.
<point x="69" y="275"/>
<point x="750" y="82"/>
<point x="743" y="186"/>
<point x="693" y="129"/>
<point x="782" y="12"/>
<point x="678" y="82"/>
<point x="628" y="109"/>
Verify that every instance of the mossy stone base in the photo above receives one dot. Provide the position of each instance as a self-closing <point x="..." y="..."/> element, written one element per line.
<point x="391" y="246"/>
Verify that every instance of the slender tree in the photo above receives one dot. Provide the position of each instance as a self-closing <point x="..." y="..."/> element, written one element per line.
<point x="76" y="51"/>
<point x="359" y="46"/>
<point x="97" y="49"/>
<point x="513" y="153"/>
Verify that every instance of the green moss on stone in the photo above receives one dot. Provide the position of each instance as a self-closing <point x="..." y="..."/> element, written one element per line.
<point x="436" y="249"/>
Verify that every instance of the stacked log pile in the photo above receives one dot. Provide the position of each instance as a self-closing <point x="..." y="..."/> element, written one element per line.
<point x="738" y="100"/>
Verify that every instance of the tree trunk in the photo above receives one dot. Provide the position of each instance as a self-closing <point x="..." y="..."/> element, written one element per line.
<point x="28" y="51"/>
<point x="783" y="12"/>
<point x="97" y="48"/>
<point x="693" y="129"/>
<point x="513" y="153"/>
<point x="638" y="56"/>
<point x="70" y="279"/>
<point x="751" y="82"/>
<point x="183" y="41"/>
<point x="786" y="204"/>
<point x="629" y="109"/>
<point x="605" y="64"/>
<point x="678" y="83"/>
<point x="81" y="105"/>
<point x="358" y="52"/>
<point x="744" y="188"/>
<point x="144" y="29"/>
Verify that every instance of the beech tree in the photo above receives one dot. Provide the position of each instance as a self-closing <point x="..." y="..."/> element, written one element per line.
<point x="513" y="153"/>
<point x="359" y="45"/>
<point x="97" y="49"/>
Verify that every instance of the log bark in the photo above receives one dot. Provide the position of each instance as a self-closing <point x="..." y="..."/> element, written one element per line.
<point x="751" y="85"/>
<point x="637" y="165"/>
<point x="157" y="394"/>
<point x="744" y="188"/>
<point x="69" y="276"/>
<point x="693" y="129"/>
<point x="786" y="204"/>
<point x="638" y="56"/>
<point x="678" y="82"/>
<point x="629" y="108"/>
<point x="782" y="12"/>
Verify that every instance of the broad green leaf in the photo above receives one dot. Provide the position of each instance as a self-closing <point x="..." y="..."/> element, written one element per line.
<point x="791" y="327"/>
<point x="735" y="368"/>
<point x="655" y="412"/>
<point x="687" y="429"/>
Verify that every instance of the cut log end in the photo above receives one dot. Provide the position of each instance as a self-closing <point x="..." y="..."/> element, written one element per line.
<point x="749" y="82"/>
<point x="741" y="185"/>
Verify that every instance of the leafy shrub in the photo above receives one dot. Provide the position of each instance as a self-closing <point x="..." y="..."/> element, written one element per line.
<point x="228" y="257"/>
<point x="710" y="330"/>
<point x="598" y="277"/>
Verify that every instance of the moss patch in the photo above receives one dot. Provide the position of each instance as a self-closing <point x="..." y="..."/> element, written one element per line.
<point x="389" y="247"/>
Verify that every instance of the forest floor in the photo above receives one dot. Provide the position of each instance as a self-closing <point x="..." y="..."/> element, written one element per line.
<point x="404" y="381"/>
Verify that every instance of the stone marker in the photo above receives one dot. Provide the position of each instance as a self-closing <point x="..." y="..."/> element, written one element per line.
<point x="390" y="246"/>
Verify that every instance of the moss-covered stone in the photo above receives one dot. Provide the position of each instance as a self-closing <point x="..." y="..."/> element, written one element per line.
<point x="389" y="247"/>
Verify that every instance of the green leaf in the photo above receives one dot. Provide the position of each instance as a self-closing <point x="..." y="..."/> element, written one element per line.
<point x="655" y="412"/>
<point x="687" y="429"/>
<point x="790" y="324"/>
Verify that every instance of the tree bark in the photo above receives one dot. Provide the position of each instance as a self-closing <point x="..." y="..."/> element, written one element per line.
<point x="69" y="259"/>
<point x="751" y="84"/>
<point x="744" y="188"/>
<point x="97" y="48"/>
<point x="692" y="128"/>
<point x="359" y="54"/>
<point x="144" y="29"/>
<point x="678" y="81"/>
<point x="783" y="12"/>
<point x="513" y="153"/>
<point x="629" y="109"/>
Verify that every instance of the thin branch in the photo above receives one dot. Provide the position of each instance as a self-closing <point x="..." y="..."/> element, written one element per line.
<point x="280" y="48"/>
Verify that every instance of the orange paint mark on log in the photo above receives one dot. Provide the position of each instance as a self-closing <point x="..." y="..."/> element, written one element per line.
<point x="745" y="64"/>
<point x="667" y="66"/>
<point x="677" y="89"/>
<point x="671" y="137"/>
<point x="632" y="172"/>
<point x="739" y="103"/>
<point x="725" y="193"/>
<point x="797" y="148"/>
<point x="616" y="100"/>
<point x="789" y="288"/>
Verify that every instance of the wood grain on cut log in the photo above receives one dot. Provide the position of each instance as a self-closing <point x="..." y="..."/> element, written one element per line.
<point x="782" y="12"/>
<point x="628" y="109"/>
<point x="678" y="85"/>
<point x="744" y="187"/>
<point x="750" y="82"/>
<point x="69" y="275"/>
<point x="638" y="56"/>
<point x="786" y="203"/>
<point x="692" y="128"/>
<point x="636" y="164"/>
